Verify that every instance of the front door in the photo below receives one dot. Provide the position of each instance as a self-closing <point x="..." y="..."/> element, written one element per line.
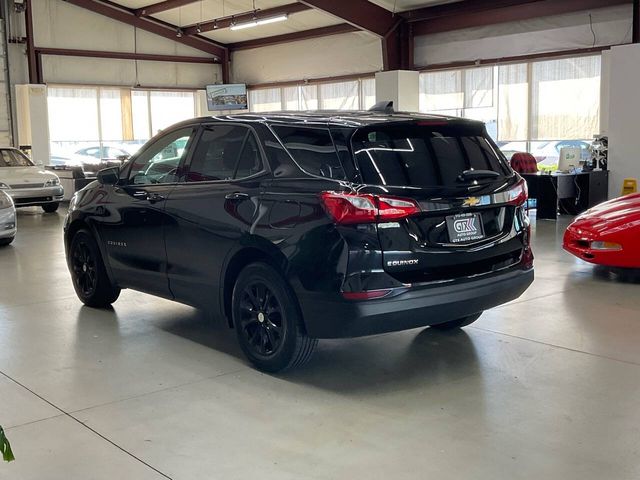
<point x="214" y="208"/>
<point x="133" y="220"/>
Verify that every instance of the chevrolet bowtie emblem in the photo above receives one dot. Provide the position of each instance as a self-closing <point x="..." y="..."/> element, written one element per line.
<point x="471" y="202"/>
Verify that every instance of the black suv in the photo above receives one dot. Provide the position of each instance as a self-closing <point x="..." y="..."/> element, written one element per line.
<point x="300" y="226"/>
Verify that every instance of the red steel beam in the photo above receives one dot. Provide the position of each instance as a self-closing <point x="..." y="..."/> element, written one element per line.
<point x="226" y="22"/>
<point x="458" y="8"/>
<point x="505" y="13"/>
<point x="295" y="36"/>
<point x="161" y="7"/>
<point x="125" y="15"/>
<point x="32" y="59"/>
<point x="359" y="13"/>
<point x="67" y="52"/>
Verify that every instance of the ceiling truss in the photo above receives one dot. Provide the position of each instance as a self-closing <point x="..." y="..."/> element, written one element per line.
<point x="395" y="30"/>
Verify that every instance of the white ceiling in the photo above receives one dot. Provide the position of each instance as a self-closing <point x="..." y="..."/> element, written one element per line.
<point x="205" y="10"/>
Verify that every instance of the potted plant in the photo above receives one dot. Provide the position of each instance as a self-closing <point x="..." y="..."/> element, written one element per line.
<point x="5" y="447"/>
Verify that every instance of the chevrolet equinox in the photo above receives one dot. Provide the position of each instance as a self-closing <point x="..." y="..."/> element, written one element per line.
<point x="302" y="226"/>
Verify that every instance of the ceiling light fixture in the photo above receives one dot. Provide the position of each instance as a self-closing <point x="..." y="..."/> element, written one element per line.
<point x="261" y="21"/>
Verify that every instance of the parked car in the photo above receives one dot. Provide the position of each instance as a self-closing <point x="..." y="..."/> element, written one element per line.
<point x="28" y="184"/>
<point x="8" y="223"/>
<point x="303" y="226"/>
<point x="63" y="161"/>
<point x="97" y="157"/>
<point x="608" y="234"/>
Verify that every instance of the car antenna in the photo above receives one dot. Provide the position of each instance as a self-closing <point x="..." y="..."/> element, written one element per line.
<point x="386" y="106"/>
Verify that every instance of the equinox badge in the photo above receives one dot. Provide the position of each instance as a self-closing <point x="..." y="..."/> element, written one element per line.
<point x="402" y="263"/>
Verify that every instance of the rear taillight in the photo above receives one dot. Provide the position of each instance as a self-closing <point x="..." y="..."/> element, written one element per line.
<point x="519" y="194"/>
<point x="350" y="208"/>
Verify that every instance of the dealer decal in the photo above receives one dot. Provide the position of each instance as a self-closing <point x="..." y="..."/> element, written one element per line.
<point x="465" y="225"/>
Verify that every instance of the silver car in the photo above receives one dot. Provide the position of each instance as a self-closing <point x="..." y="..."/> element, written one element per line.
<point x="28" y="184"/>
<point x="8" y="225"/>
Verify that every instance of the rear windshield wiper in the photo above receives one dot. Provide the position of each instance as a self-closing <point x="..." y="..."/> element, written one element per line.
<point x="476" y="174"/>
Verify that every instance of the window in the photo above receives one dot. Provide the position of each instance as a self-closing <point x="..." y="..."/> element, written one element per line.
<point x="312" y="149"/>
<point x="526" y="106"/>
<point x="159" y="163"/>
<point x="422" y="156"/>
<point x="265" y="100"/>
<point x="168" y="108"/>
<point x="348" y="95"/>
<point x="95" y="118"/>
<point x="11" y="158"/>
<point x="224" y="152"/>
<point x="340" y="96"/>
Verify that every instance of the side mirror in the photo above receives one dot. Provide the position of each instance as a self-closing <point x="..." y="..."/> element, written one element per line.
<point x="109" y="176"/>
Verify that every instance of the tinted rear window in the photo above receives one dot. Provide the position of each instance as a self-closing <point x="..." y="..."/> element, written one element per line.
<point x="423" y="156"/>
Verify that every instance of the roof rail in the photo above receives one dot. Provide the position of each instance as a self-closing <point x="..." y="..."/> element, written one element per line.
<point x="386" y="106"/>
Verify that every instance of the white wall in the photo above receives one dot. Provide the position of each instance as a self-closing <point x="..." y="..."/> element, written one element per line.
<point x="345" y="54"/>
<point x="624" y="105"/>
<point x="612" y="26"/>
<point x="58" y="24"/>
<point x="605" y="80"/>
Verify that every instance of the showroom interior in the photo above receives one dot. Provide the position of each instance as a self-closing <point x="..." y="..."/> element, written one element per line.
<point x="542" y="386"/>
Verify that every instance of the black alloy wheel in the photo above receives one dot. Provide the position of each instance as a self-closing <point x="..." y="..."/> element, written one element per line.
<point x="268" y="320"/>
<point x="90" y="280"/>
<point x="261" y="319"/>
<point x="84" y="268"/>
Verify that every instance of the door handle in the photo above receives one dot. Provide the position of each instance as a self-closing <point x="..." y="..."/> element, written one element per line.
<point x="155" y="197"/>
<point x="152" y="197"/>
<point x="237" y="196"/>
<point x="140" y="194"/>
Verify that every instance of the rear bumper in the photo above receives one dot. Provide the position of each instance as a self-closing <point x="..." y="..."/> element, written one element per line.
<point x="36" y="196"/>
<point x="418" y="307"/>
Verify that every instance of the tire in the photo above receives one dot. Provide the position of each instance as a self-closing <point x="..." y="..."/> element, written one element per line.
<point x="267" y="320"/>
<point x="88" y="272"/>
<point x="6" y="241"/>
<point x="458" y="323"/>
<point x="50" y="207"/>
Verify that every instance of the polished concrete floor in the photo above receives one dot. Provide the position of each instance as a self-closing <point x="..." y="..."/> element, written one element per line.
<point x="545" y="387"/>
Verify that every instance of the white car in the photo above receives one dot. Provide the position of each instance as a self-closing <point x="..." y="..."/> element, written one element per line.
<point x="28" y="184"/>
<point x="8" y="225"/>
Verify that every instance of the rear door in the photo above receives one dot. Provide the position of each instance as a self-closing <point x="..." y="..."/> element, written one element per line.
<point x="463" y="187"/>
<point x="213" y="208"/>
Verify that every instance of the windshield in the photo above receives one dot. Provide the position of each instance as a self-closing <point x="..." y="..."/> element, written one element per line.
<point x="14" y="158"/>
<point x="428" y="155"/>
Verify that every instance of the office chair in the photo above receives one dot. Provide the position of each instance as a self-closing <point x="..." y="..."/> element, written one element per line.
<point x="523" y="162"/>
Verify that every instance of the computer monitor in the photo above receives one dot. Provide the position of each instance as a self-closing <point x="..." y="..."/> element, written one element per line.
<point x="569" y="159"/>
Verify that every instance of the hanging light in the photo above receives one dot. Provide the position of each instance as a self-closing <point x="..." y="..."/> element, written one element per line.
<point x="255" y="22"/>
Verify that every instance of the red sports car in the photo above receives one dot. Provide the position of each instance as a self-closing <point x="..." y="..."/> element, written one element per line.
<point x="608" y="234"/>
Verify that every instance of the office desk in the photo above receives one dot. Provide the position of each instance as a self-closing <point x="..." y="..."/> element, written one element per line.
<point x="572" y="193"/>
